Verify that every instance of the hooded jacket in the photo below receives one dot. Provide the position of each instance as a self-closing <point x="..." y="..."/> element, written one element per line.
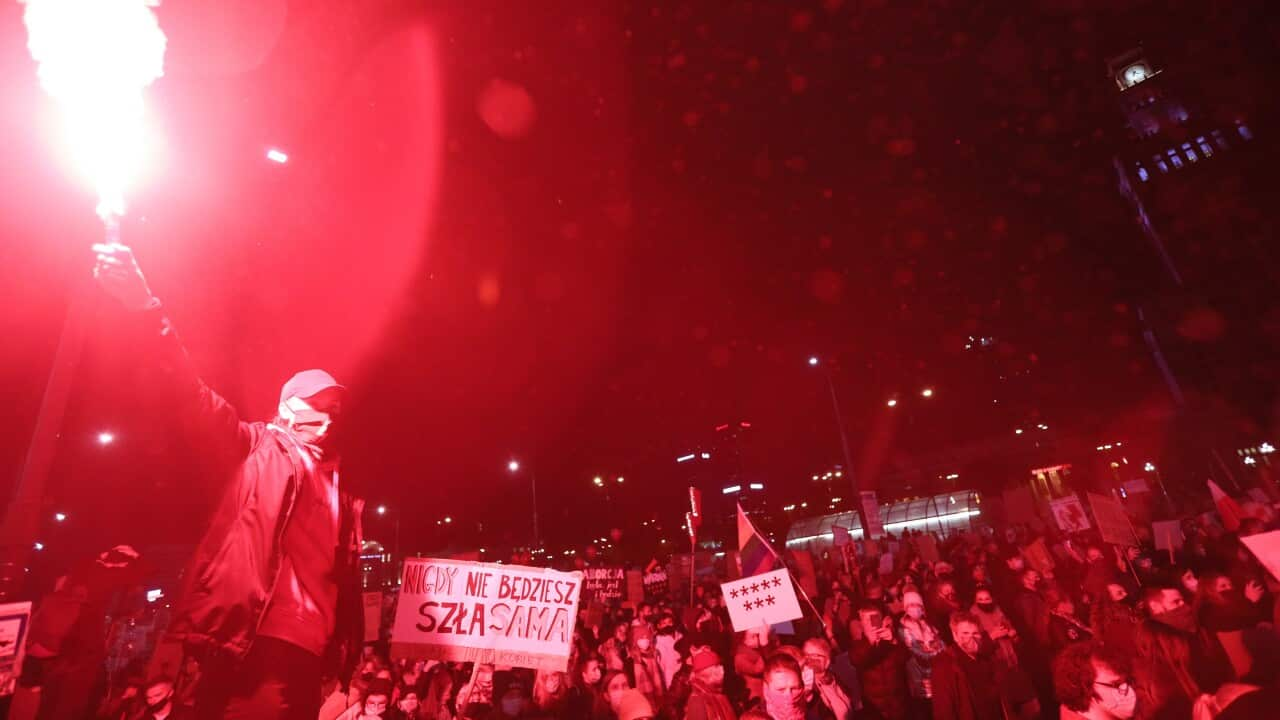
<point x="232" y="575"/>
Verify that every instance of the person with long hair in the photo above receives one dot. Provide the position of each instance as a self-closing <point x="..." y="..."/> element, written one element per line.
<point x="584" y="686"/>
<point x="436" y="701"/>
<point x="551" y="693"/>
<point x="614" y="685"/>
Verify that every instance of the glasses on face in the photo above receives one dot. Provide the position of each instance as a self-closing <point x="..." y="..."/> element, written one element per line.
<point x="1123" y="687"/>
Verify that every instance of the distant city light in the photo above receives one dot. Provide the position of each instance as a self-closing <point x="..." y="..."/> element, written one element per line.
<point x="621" y="479"/>
<point x="277" y="156"/>
<point x="757" y="486"/>
<point x="953" y="476"/>
<point x="892" y="403"/>
<point x="1149" y="467"/>
<point x="1250" y="461"/>
<point x="513" y="466"/>
<point x="598" y="481"/>
<point x="813" y="361"/>
<point x="1018" y="431"/>
<point x="38" y="545"/>
<point x="1266" y="448"/>
<point x="686" y="458"/>
<point x="927" y="392"/>
<point x="106" y="438"/>
<point x="732" y="489"/>
<point x="382" y="509"/>
<point x="448" y="519"/>
<point x="706" y="456"/>
<point x="59" y="516"/>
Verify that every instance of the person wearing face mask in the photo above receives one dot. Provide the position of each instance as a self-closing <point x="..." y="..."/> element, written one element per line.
<point x="644" y="665"/>
<point x="585" y="687"/>
<point x="966" y="678"/>
<point x="783" y="694"/>
<point x="1092" y="682"/>
<point x="1175" y="660"/>
<point x="615" y="683"/>
<point x="514" y="702"/>
<point x="272" y="594"/>
<point x="924" y="642"/>
<point x="1031" y="614"/>
<point x="409" y="705"/>
<point x="996" y="625"/>
<point x="1064" y="627"/>
<point x="158" y="704"/>
<point x="707" y="700"/>
<point x="664" y="642"/>
<point x="827" y="697"/>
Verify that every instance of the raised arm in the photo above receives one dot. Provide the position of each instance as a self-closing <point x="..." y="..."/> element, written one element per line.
<point x="211" y="420"/>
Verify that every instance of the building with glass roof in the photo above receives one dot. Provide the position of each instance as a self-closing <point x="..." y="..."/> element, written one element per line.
<point x="945" y="514"/>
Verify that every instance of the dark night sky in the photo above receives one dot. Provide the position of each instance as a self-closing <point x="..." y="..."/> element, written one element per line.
<point x="586" y="233"/>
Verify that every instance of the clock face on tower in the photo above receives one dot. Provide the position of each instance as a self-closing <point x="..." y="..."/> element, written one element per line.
<point x="1135" y="74"/>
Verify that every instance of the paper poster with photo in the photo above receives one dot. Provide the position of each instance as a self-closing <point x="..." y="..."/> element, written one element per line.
<point x="759" y="600"/>
<point x="486" y="612"/>
<point x="15" y="623"/>
<point x="1068" y="513"/>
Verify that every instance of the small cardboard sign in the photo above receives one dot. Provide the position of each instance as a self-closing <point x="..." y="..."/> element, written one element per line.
<point x="1113" y="522"/>
<point x="1167" y="534"/>
<point x="766" y="599"/>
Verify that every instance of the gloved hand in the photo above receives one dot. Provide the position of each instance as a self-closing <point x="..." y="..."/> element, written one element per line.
<point x="119" y="275"/>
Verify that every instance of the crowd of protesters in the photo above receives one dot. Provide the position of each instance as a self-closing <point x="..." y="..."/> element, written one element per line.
<point x="989" y="629"/>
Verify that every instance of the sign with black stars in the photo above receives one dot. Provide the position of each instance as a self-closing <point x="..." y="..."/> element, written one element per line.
<point x="766" y="599"/>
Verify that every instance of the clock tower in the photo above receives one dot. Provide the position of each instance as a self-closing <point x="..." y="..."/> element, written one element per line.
<point x="1201" y="191"/>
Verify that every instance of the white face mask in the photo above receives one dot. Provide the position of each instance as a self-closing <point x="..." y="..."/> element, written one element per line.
<point x="643" y="643"/>
<point x="1121" y="706"/>
<point x="309" y="424"/>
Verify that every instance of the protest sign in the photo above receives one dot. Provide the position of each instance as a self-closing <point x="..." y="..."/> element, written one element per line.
<point x="1069" y="514"/>
<point x="463" y="611"/>
<point x="927" y="546"/>
<point x="1113" y="523"/>
<point x="372" y="616"/>
<point x="656" y="584"/>
<point x="839" y="535"/>
<point x="1266" y="547"/>
<point x="871" y="511"/>
<point x="603" y="583"/>
<point x="1038" y="557"/>
<point x="765" y="599"/>
<point x="15" y="622"/>
<point x="1167" y="534"/>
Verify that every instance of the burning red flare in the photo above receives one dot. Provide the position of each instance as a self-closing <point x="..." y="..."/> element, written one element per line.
<point x="95" y="58"/>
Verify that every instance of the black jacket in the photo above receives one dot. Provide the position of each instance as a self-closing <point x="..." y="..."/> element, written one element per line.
<point x="230" y="579"/>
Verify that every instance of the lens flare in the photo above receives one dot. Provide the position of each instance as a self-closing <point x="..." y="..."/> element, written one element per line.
<point x="95" y="59"/>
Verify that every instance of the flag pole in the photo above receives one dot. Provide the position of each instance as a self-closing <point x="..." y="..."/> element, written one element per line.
<point x="794" y="581"/>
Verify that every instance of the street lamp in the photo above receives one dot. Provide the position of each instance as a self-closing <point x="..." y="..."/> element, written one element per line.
<point x="382" y="509"/>
<point x="893" y="402"/>
<point x="513" y="466"/>
<point x="59" y="516"/>
<point x="844" y="438"/>
<point x="106" y="438"/>
<point x="926" y="393"/>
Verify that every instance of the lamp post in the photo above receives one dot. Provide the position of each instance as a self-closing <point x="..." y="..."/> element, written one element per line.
<point x="814" y="361"/>
<point x="514" y="467"/>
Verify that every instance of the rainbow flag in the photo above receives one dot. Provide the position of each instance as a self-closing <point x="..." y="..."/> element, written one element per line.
<point x="755" y="555"/>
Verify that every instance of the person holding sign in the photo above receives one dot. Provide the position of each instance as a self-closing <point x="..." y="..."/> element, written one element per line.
<point x="272" y="595"/>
